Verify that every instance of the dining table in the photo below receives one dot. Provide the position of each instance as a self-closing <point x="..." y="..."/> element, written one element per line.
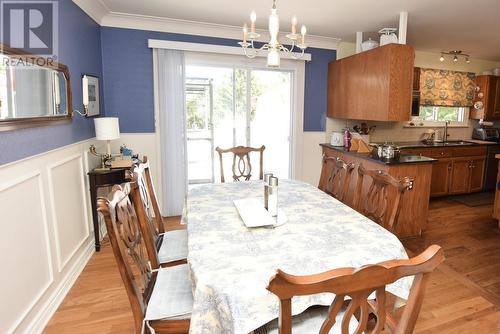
<point x="231" y="265"/>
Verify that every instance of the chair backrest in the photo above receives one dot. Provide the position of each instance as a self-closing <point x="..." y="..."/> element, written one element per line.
<point x="377" y="202"/>
<point x="242" y="168"/>
<point x="359" y="284"/>
<point x="336" y="177"/>
<point x="128" y="247"/>
<point x="148" y="193"/>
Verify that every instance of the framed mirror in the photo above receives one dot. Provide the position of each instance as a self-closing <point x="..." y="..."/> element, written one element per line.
<point x="34" y="91"/>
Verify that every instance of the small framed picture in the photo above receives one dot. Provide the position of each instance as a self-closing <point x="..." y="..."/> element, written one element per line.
<point x="93" y="108"/>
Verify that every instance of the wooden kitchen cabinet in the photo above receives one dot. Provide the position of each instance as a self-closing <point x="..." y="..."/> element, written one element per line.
<point x="372" y="85"/>
<point x="477" y="175"/>
<point x="489" y="86"/>
<point x="413" y="216"/>
<point x="460" y="176"/>
<point x="458" y="170"/>
<point x="441" y="174"/>
<point x="416" y="78"/>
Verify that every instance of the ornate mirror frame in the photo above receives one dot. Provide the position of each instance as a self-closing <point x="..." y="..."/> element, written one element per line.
<point x="29" y="122"/>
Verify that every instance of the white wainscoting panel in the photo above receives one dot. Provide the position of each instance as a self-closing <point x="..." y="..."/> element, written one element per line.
<point x="69" y="207"/>
<point x="45" y="241"/>
<point x="24" y="242"/>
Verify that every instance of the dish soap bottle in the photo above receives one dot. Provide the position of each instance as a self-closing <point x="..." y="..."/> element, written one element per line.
<point x="347" y="139"/>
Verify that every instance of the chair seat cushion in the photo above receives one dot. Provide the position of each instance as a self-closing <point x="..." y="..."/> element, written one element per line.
<point x="172" y="297"/>
<point x="174" y="246"/>
<point x="310" y="321"/>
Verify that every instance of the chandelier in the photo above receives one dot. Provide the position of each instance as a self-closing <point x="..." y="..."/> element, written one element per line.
<point x="274" y="48"/>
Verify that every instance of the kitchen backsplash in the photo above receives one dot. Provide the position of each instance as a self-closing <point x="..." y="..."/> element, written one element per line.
<point x="396" y="132"/>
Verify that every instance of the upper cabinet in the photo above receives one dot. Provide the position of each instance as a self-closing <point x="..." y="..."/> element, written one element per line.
<point x="373" y="85"/>
<point x="487" y="99"/>
<point x="416" y="78"/>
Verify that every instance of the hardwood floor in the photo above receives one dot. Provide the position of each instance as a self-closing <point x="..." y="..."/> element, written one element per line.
<point x="463" y="295"/>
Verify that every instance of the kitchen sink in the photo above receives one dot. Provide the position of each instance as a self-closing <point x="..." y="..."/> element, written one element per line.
<point x="449" y="143"/>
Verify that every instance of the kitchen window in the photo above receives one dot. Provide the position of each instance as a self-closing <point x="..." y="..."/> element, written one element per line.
<point x="438" y="114"/>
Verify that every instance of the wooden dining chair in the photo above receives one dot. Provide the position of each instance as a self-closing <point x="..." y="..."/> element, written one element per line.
<point x="336" y="177"/>
<point x="377" y="203"/>
<point x="242" y="168"/>
<point x="164" y="248"/>
<point x="357" y="284"/>
<point x="160" y="299"/>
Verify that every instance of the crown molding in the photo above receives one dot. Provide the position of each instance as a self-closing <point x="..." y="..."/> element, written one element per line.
<point x="100" y="13"/>
<point x="162" y="24"/>
<point x="96" y="9"/>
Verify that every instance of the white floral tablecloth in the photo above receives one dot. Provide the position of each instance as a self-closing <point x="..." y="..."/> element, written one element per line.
<point x="231" y="265"/>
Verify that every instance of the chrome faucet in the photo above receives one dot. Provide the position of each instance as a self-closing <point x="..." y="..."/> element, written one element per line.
<point x="445" y="135"/>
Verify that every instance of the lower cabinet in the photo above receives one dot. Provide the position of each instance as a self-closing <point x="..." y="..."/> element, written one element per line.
<point x="477" y="174"/>
<point x="441" y="174"/>
<point x="456" y="171"/>
<point x="460" y="176"/>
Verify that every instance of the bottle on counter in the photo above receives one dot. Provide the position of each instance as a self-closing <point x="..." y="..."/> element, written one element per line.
<point x="347" y="138"/>
<point x="273" y="196"/>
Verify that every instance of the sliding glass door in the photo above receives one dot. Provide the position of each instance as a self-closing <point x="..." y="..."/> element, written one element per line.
<point x="231" y="106"/>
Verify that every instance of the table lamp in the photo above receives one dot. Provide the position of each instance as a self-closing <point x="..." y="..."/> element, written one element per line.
<point x="108" y="129"/>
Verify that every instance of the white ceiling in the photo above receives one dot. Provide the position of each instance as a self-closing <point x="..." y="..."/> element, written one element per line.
<point x="469" y="25"/>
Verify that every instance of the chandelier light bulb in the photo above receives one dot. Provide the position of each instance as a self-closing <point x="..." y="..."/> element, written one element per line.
<point x="441" y="59"/>
<point x="455" y="58"/>
<point x="303" y="30"/>
<point x="467" y="60"/>
<point x="253" y="16"/>
<point x="245" y="33"/>
<point x="294" y="25"/>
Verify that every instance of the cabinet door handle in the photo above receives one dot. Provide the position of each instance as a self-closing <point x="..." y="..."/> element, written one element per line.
<point x="442" y="153"/>
<point x="449" y="166"/>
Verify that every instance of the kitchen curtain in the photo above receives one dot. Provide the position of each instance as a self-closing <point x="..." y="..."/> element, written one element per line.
<point x="446" y="88"/>
<point x="172" y="124"/>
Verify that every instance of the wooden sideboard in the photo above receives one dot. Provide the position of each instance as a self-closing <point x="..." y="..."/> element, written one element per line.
<point x="415" y="202"/>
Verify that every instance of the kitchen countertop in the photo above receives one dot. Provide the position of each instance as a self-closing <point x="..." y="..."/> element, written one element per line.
<point x="451" y="143"/>
<point x="404" y="158"/>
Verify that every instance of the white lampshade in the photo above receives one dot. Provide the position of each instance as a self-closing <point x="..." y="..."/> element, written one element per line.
<point x="107" y="128"/>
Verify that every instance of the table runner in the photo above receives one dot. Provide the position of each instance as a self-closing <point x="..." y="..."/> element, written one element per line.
<point x="231" y="265"/>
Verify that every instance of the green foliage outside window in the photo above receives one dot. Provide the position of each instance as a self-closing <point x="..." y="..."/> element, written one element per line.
<point x="441" y="114"/>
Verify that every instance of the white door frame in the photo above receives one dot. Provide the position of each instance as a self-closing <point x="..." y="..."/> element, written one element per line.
<point x="297" y="68"/>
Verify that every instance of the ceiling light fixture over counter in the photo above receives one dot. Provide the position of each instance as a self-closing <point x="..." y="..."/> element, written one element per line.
<point x="274" y="48"/>
<point x="455" y="54"/>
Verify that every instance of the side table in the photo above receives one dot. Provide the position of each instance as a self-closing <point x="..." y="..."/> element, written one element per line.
<point x="98" y="179"/>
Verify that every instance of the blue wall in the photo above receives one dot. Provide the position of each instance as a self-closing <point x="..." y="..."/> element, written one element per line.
<point x="128" y="77"/>
<point x="124" y="62"/>
<point x="80" y="49"/>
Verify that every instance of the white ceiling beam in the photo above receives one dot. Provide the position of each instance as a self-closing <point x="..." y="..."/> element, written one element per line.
<point x="403" y="27"/>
